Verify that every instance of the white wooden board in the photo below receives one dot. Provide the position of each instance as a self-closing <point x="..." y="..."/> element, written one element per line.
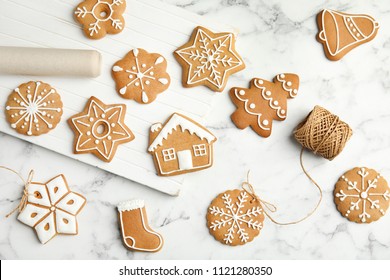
<point x="151" y="25"/>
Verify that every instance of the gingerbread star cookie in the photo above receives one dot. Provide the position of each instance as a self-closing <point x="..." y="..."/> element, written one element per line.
<point x="100" y="129"/>
<point x="100" y="17"/>
<point x="209" y="59"/>
<point x="141" y="76"/>
<point x="52" y="208"/>
<point x="34" y="108"/>
<point x="341" y="32"/>
<point x="235" y="218"/>
<point x="263" y="102"/>
<point x="362" y="195"/>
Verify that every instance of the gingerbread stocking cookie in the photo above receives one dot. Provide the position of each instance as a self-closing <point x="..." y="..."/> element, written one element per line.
<point x="263" y="102"/>
<point x="136" y="232"/>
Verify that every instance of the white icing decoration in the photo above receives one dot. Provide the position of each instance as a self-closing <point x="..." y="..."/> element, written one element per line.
<point x="139" y="77"/>
<point x="258" y="115"/>
<point x="231" y="216"/>
<point x="94" y="27"/>
<point x="32" y="109"/>
<point x="155" y="127"/>
<point x="117" y="68"/>
<point x="57" y="203"/>
<point x="131" y="205"/>
<point x="285" y="84"/>
<point x="185" y="160"/>
<point x="359" y="36"/>
<point x="185" y="124"/>
<point x="113" y="124"/>
<point x="363" y="195"/>
<point x="210" y="55"/>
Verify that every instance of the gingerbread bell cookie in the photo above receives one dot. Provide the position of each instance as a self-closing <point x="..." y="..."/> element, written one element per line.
<point x="136" y="233"/>
<point x="362" y="195"/>
<point x="341" y="32"/>
<point x="141" y="76"/>
<point x="235" y="218"/>
<point x="180" y="145"/>
<point x="209" y="59"/>
<point x="34" y="108"/>
<point x="263" y="102"/>
<point x="100" y="129"/>
<point x="51" y="208"/>
<point x="100" y="17"/>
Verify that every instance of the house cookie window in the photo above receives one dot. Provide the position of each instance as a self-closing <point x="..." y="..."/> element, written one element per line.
<point x="169" y="154"/>
<point x="200" y="150"/>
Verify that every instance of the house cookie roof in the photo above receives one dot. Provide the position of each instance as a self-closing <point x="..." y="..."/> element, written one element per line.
<point x="185" y="124"/>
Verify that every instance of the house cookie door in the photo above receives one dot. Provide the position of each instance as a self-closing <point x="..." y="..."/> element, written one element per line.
<point x="185" y="160"/>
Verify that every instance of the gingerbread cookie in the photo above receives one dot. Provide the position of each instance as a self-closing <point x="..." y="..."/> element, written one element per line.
<point x="362" y="195"/>
<point x="100" y="129"/>
<point x="136" y="233"/>
<point x="209" y="59"/>
<point x="235" y="218"/>
<point x="141" y="76"/>
<point x="100" y="17"/>
<point x="340" y="32"/>
<point x="180" y="145"/>
<point x="263" y="102"/>
<point x="34" y="108"/>
<point x="52" y="208"/>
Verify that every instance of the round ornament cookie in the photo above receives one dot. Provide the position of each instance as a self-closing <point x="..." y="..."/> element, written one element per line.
<point x="34" y="108"/>
<point x="100" y="17"/>
<point x="362" y="195"/>
<point x="235" y="217"/>
<point x="141" y="76"/>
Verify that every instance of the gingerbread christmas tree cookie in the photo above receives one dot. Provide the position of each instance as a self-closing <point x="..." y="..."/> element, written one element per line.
<point x="100" y="129"/>
<point x="341" y="32"/>
<point x="263" y="102"/>
<point x="235" y="218"/>
<point x="362" y="195"/>
<point x="34" y="108"/>
<point x="141" y="76"/>
<point x="209" y="59"/>
<point x="51" y="209"/>
<point x="100" y="17"/>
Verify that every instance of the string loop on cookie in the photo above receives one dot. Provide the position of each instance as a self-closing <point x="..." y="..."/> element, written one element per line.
<point x="248" y="187"/>
<point x="23" y="200"/>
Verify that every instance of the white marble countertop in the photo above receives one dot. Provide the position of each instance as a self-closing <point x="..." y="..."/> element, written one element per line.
<point x="275" y="36"/>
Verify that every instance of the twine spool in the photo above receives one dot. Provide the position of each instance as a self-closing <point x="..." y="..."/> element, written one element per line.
<point x="323" y="133"/>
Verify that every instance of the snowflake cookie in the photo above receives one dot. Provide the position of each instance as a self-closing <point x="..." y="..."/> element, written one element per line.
<point x="100" y="129"/>
<point x="209" y="59"/>
<point x="263" y="102"/>
<point x="34" y="108"/>
<point x="52" y="208"/>
<point x="141" y="76"/>
<point x="234" y="218"/>
<point x="362" y="195"/>
<point x="100" y="17"/>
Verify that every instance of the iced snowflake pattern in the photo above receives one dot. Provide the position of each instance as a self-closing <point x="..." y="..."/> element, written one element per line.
<point x="101" y="12"/>
<point x="364" y="200"/>
<point x="234" y="220"/>
<point x="32" y="105"/>
<point x="210" y="58"/>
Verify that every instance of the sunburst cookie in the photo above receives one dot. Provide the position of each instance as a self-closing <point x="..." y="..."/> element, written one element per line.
<point x="34" y="108"/>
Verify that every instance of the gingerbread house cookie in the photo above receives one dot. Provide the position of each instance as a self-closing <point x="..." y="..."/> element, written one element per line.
<point x="181" y="145"/>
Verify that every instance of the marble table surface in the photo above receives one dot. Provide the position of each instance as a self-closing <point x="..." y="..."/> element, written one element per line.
<point x="275" y="36"/>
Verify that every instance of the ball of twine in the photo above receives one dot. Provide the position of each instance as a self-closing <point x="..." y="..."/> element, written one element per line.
<point x="323" y="133"/>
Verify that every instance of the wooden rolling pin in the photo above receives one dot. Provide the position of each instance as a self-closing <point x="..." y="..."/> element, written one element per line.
<point x="49" y="62"/>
